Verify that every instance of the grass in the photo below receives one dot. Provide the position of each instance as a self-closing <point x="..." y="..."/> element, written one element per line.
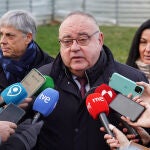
<point x="118" y="39"/>
<point x="47" y="38"/>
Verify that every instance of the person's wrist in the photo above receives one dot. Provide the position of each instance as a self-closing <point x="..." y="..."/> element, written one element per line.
<point x="125" y="146"/>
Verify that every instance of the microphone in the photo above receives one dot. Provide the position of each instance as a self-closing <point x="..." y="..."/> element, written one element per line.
<point x="98" y="107"/>
<point x="109" y="94"/>
<point x="14" y="93"/>
<point x="49" y="83"/>
<point x="45" y="103"/>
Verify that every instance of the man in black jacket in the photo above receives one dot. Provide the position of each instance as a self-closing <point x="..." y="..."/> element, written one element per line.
<point x="82" y="54"/>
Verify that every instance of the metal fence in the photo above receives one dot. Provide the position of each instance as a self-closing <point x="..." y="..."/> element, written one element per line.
<point x="116" y="12"/>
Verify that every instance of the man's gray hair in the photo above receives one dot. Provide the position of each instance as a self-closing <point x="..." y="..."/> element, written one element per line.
<point x="20" y="20"/>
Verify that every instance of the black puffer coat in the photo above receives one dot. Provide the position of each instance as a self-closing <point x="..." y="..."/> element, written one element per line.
<point x="69" y="126"/>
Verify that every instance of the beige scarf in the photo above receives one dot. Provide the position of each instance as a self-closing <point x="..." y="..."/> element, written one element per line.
<point x="144" y="68"/>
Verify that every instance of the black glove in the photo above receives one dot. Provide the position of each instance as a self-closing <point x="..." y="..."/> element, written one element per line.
<point x="28" y="132"/>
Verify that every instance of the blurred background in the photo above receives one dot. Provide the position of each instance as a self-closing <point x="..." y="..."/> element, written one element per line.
<point x="116" y="12"/>
<point x="118" y="20"/>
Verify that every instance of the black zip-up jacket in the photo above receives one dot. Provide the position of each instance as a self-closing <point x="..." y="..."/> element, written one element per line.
<point x="69" y="126"/>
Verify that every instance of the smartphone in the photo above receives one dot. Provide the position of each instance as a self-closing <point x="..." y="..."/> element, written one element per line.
<point x="12" y="113"/>
<point x="33" y="81"/>
<point x="127" y="107"/>
<point x="124" y="85"/>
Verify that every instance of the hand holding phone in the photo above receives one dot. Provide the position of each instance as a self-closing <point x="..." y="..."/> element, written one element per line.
<point x="124" y="85"/>
<point x="127" y="107"/>
<point x="33" y="81"/>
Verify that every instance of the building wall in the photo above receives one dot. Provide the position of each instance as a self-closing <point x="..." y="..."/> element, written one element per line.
<point x="116" y="12"/>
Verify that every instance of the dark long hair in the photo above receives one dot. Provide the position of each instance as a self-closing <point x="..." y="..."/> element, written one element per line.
<point x="134" y="49"/>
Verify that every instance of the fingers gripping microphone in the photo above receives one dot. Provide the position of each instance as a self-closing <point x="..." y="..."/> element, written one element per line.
<point x="14" y="93"/>
<point x="98" y="108"/>
<point x="49" y="83"/>
<point x="45" y="103"/>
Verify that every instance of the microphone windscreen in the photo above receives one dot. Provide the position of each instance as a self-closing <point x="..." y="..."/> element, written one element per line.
<point x="49" y="83"/>
<point x="46" y="101"/>
<point x="107" y="92"/>
<point x="96" y="104"/>
<point x="14" y="93"/>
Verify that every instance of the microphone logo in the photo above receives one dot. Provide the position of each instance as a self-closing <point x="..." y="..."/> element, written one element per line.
<point x="107" y="92"/>
<point x="45" y="98"/>
<point x="14" y="90"/>
<point x="97" y="99"/>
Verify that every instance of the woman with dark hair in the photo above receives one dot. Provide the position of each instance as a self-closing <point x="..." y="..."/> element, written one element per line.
<point x="139" y="54"/>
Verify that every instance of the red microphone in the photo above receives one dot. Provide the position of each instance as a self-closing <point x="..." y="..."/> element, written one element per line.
<point x="107" y="92"/>
<point x="98" y="107"/>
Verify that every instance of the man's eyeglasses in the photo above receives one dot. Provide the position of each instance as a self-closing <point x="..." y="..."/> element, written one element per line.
<point x="82" y="40"/>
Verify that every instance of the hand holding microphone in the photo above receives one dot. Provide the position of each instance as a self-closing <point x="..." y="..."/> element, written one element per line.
<point x="33" y="82"/>
<point x="28" y="130"/>
<point x="25" y="103"/>
<point x="121" y="105"/>
<point x="120" y="141"/>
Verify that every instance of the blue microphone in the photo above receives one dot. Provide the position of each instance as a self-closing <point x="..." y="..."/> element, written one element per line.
<point x="45" y="103"/>
<point x="14" y="93"/>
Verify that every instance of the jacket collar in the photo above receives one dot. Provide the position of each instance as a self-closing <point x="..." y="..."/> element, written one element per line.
<point x="102" y="68"/>
<point x="94" y="73"/>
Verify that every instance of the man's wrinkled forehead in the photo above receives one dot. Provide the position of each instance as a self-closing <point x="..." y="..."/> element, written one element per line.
<point x="76" y="22"/>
